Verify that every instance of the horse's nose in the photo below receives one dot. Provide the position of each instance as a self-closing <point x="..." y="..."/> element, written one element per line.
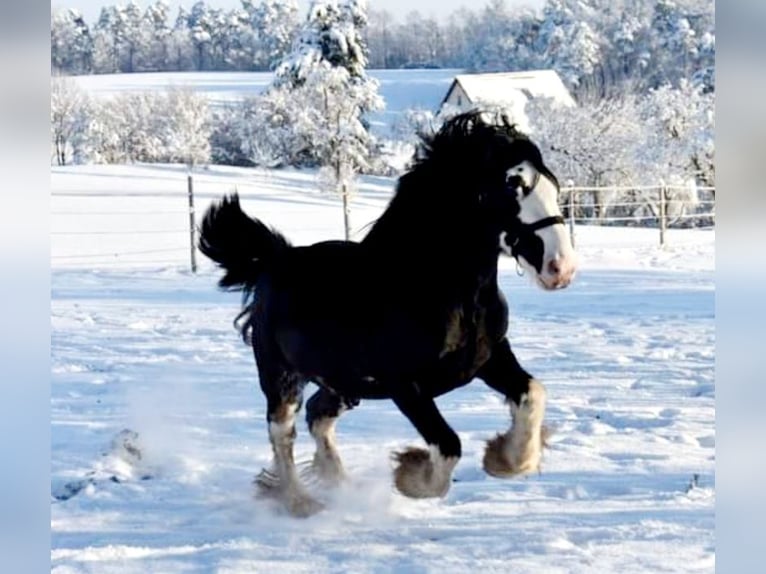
<point x="554" y="266"/>
<point x="560" y="272"/>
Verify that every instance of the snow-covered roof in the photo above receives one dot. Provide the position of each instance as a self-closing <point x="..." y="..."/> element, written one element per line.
<point x="510" y="87"/>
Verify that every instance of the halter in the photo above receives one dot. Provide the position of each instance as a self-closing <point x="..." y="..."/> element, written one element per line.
<point x="527" y="229"/>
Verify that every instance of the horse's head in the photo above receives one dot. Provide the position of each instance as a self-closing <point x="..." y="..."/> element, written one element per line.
<point x="518" y="198"/>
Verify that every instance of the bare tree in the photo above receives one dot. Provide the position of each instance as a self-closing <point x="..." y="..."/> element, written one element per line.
<point x="69" y="117"/>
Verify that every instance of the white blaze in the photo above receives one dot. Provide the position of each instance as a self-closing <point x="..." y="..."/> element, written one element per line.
<point x="540" y="203"/>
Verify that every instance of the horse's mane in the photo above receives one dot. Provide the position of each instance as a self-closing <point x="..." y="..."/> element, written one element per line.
<point x="444" y="167"/>
<point x="459" y="134"/>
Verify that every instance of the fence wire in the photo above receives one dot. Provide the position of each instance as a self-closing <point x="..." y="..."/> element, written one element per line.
<point x="97" y="241"/>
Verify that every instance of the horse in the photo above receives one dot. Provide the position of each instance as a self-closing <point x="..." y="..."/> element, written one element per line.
<point x="410" y="312"/>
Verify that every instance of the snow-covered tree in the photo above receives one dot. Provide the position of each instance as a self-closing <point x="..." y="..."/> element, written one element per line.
<point x="679" y="145"/>
<point x="104" y="136"/>
<point x="380" y="34"/>
<point x="568" y="42"/>
<point x="187" y="128"/>
<point x="240" y="41"/>
<point x="108" y="37"/>
<point x="330" y="36"/>
<point x="276" y="25"/>
<point x="593" y="144"/>
<point x="171" y="126"/>
<point x="492" y="42"/>
<point x="140" y="136"/>
<point x="157" y="49"/>
<point x="324" y="80"/>
<point x="626" y="31"/>
<point x="71" y="43"/>
<point x="70" y="116"/>
<point x="704" y="76"/>
<point x="600" y="47"/>
<point x="265" y="133"/>
<point x="199" y="25"/>
<point x="181" y="51"/>
<point x="135" y="37"/>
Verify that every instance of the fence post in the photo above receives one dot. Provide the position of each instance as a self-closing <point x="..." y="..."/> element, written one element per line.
<point x="663" y="214"/>
<point x="572" y="215"/>
<point x="192" y="230"/>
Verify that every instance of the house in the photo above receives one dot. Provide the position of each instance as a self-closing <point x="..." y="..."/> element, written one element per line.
<point x="511" y="90"/>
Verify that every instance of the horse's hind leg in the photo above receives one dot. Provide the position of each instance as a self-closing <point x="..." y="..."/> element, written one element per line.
<point x="283" y="396"/>
<point x="426" y="473"/>
<point x="519" y="450"/>
<point x="322" y="411"/>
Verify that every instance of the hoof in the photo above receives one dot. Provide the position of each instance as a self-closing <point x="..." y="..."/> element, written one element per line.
<point x="423" y="474"/>
<point x="293" y="498"/>
<point x="326" y="470"/>
<point x="504" y="458"/>
<point x="302" y="505"/>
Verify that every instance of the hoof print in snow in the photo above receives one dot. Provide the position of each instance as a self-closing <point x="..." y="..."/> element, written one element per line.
<point x="126" y="445"/>
<point x="70" y="489"/>
<point x="123" y="462"/>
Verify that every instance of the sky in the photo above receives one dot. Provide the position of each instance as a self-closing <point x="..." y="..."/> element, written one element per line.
<point x="90" y="9"/>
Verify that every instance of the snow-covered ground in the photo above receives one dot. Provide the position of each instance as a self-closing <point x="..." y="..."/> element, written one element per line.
<point x="401" y="89"/>
<point x="158" y="425"/>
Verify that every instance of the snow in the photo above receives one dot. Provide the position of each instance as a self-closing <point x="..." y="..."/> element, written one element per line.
<point x="158" y="425"/>
<point x="400" y="89"/>
<point x="499" y="87"/>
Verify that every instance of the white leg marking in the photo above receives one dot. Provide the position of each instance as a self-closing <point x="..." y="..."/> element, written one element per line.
<point x="423" y="473"/>
<point x="519" y="450"/>
<point x="283" y="481"/>
<point x="326" y="464"/>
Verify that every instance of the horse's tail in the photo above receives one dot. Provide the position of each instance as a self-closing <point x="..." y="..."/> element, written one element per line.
<point x="240" y="244"/>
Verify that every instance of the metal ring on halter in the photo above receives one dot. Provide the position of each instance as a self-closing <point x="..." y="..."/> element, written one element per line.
<point x="528" y="229"/>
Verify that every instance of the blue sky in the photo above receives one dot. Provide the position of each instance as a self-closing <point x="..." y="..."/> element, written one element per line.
<point x="399" y="8"/>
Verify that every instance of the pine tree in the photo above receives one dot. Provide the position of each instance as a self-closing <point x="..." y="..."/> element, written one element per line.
<point x="327" y="91"/>
<point x="158" y="46"/>
<point x="134" y="39"/>
<point x="567" y="41"/>
<point x="71" y="43"/>
<point x="107" y="41"/>
<point x="276" y="25"/>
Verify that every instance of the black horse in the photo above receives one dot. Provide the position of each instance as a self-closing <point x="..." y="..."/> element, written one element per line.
<point x="409" y="313"/>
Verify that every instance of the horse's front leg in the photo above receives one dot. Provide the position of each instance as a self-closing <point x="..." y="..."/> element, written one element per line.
<point x="425" y="473"/>
<point x="517" y="451"/>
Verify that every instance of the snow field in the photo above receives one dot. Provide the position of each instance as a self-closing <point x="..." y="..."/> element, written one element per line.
<point x="140" y="343"/>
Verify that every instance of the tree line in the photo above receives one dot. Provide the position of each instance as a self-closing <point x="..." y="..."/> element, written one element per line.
<point x="313" y="115"/>
<point x="597" y="46"/>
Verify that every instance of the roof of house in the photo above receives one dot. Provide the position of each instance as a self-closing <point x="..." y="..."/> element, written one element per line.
<point x="510" y="86"/>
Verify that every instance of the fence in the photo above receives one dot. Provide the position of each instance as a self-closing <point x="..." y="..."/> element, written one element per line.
<point x="659" y="206"/>
<point x="159" y="228"/>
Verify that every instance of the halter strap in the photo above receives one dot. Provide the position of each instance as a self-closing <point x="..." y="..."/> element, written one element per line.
<point x="529" y="228"/>
<point x="544" y="222"/>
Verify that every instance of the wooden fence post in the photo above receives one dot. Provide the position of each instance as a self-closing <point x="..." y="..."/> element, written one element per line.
<point x="663" y="214"/>
<point x="192" y="230"/>
<point x="572" y="215"/>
